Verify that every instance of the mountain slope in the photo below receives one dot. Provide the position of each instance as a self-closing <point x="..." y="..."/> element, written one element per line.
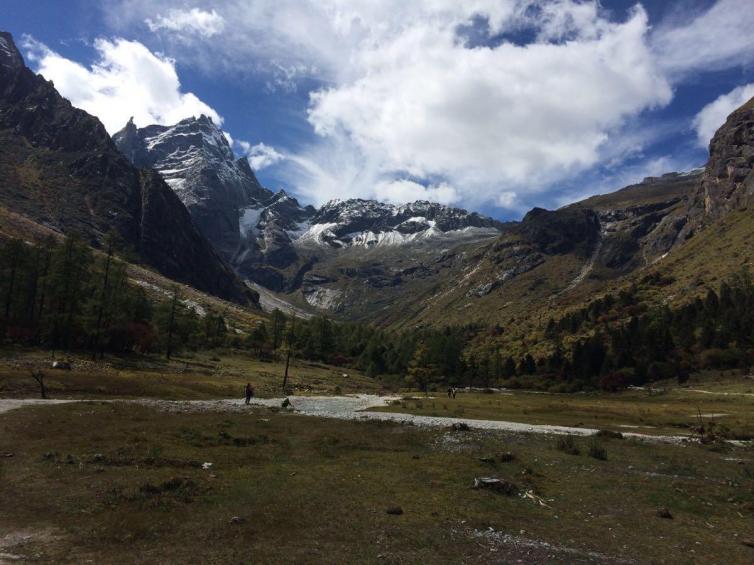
<point x="197" y="162"/>
<point x="61" y="169"/>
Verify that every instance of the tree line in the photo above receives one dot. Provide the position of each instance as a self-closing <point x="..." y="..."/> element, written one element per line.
<point x="63" y="296"/>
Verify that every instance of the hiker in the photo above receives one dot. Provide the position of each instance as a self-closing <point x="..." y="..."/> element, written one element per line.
<point x="450" y="391"/>
<point x="455" y="390"/>
<point x="249" y="393"/>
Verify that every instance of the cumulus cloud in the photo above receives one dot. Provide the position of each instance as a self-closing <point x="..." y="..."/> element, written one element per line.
<point x="402" y="190"/>
<point x="486" y="117"/>
<point x="260" y="156"/>
<point x="126" y="80"/>
<point x="714" y="114"/>
<point x="193" y="21"/>
<point x="720" y="37"/>
<point x="448" y="93"/>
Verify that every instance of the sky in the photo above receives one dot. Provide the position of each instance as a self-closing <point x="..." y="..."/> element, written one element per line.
<point x="492" y="105"/>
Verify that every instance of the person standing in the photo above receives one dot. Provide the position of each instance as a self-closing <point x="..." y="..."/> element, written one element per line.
<point x="249" y="393"/>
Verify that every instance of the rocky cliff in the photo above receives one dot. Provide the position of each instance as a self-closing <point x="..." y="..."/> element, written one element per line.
<point x="728" y="180"/>
<point x="60" y="168"/>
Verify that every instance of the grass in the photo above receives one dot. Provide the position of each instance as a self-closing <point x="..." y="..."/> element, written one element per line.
<point x="674" y="411"/>
<point x="123" y="483"/>
<point x="197" y="376"/>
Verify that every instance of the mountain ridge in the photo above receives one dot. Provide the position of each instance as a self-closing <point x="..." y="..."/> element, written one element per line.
<point x="62" y="169"/>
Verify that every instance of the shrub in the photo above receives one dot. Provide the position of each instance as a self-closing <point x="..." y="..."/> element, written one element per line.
<point x="597" y="451"/>
<point x="615" y="381"/>
<point x="567" y="444"/>
<point x="609" y="434"/>
<point x="722" y="358"/>
<point x="660" y="370"/>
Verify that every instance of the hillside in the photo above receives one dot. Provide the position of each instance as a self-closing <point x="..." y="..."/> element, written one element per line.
<point x="61" y="169"/>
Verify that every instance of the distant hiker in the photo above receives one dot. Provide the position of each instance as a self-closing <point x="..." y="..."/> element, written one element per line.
<point x="455" y="390"/>
<point x="450" y="391"/>
<point x="249" y="393"/>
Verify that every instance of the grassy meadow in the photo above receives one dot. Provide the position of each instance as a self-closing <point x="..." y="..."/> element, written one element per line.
<point x="722" y="403"/>
<point x="111" y="482"/>
<point x="117" y="483"/>
<point x="185" y="377"/>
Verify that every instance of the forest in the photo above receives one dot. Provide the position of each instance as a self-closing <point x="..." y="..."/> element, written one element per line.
<point x="63" y="296"/>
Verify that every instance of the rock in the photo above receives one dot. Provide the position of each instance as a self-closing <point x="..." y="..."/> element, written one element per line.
<point x="61" y="365"/>
<point x="664" y="513"/>
<point x="487" y="460"/>
<point x="394" y="510"/>
<point x="460" y="427"/>
<point x="506" y="457"/>
<point x="287" y="403"/>
<point x="237" y="520"/>
<point x="748" y="542"/>
<point x="103" y="191"/>
<point x="496" y="485"/>
<point x="6" y="454"/>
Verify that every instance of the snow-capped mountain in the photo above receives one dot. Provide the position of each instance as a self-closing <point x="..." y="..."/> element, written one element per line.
<point x="369" y="223"/>
<point x="268" y="237"/>
<point x="196" y="161"/>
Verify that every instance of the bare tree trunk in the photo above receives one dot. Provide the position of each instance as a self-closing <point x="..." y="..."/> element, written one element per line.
<point x="39" y="376"/>
<point x="287" y="364"/>
<point x="169" y="351"/>
<point x="103" y="299"/>
<point x="291" y="336"/>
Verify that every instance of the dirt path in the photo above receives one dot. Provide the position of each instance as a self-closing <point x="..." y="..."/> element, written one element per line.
<point x="352" y="407"/>
<point x="8" y="404"/>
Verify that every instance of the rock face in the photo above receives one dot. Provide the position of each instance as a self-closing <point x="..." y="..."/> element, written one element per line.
<point x="269" y="238"/>
<point x="61" y="169"/>
<point x="196" y="161"/>
<point x="728" y="180"/>
<point x="368" y="223"/>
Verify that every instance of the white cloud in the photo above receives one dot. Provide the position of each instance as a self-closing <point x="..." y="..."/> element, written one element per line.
<point x="714" y="114"/>
<point x="126" y="80"/>
<point x="193" y="21"/>
<point x="408" y="95"/>
<point x="484" y="118"/>
<point x="507" y="200"/>
<point x="720" y="37"/>
<point x="260" y="155"/>
<point x="402" y="191"/>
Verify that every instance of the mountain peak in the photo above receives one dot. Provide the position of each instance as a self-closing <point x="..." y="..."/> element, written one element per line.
<point x="10" y="57"/>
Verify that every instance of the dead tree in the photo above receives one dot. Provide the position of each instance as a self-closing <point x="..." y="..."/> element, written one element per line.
<point x="39" y="376"/>
<point x="290" y="338"/>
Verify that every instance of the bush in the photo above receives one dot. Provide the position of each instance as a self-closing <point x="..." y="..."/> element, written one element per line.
<point x="564" y="388"/>
<point x="609" y="434"/>
<point x="567" y="444"/>
<point x="722" y="358"/>
<point x="597" y="451"/>
<point x="615" y="381"/>
<point x="660" y="370"/>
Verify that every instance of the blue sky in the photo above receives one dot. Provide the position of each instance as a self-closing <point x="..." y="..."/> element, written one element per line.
<point x="494" y="105"/>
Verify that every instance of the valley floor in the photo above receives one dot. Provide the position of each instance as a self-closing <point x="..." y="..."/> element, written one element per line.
<point x="150" y="464"/>
<point x="123" y="482"/>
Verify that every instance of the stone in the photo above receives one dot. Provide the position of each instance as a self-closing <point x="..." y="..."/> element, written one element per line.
<point x="499" y="486"/>
<point x="664" y="513"/>
<point x="394" y="510"/>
